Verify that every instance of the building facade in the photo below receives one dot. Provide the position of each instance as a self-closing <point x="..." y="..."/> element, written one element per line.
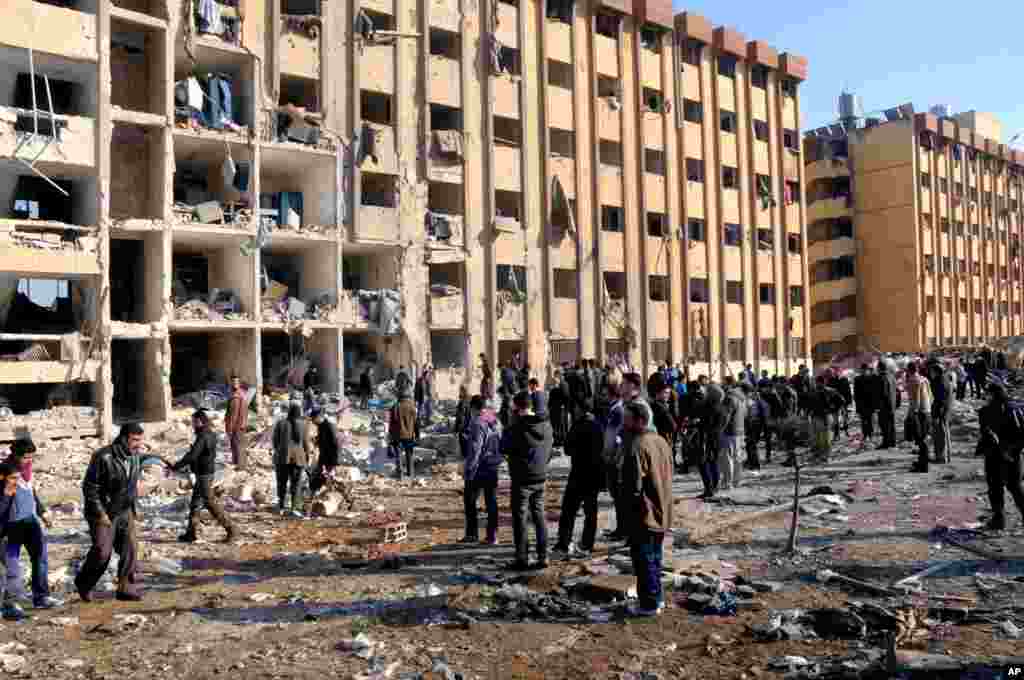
<point x="257" y="188"/>
<point x="914" y="233"/>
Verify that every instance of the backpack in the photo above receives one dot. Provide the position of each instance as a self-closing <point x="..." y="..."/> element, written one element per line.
<point x="1014" y="426"/>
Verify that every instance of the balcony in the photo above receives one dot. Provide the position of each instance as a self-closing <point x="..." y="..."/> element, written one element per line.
<point x="38" y="249"/>
<point x="456" y="225"/>
<point x="46" y="28"/>
<point x="829" y="208"/>
<point x="607" y="51"/>
<point x="650" y="71"/>
<point x="508" y="168"/>
<point x="445" y="81"/>
<point x="75" y="147"/>
<point x="506" y="97"/>
<point x="560" y="107"/>
<point x="377" y="224"/>
<point x="559" y="41"/>
<point x="661" y="326"/>
<point x="447" y="311"/>
<point x="565" y="169"/>
<point x="300" y="49"/>
<point x="377" y="68"/>
<point x="565" y="318"/>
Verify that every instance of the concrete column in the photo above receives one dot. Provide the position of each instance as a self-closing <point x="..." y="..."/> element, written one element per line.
<point x="674" y="179"/>
<point x="802" y="174"/>
<point x="748" y="246"/>
<point x="411" y="104"/>
<point x="714" y="205"/>
<point x="588" y="214"/>
<point x="104" y="131"/>
<point x="479" y="185"/>
<point x="532" y="25"/>
<point x="780" y="245"/>
<point x="594" y="175"/>
<point x="634" y="232"/>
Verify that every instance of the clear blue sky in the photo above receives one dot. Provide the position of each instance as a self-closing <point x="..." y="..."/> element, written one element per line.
<point x="893" y="51"/>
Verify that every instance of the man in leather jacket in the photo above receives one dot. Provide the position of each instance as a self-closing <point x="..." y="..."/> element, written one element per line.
<point x="200" y="461"/>
<point x="110" y="488"/>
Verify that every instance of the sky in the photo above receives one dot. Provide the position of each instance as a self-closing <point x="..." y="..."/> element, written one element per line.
<point x="969" y="55"/>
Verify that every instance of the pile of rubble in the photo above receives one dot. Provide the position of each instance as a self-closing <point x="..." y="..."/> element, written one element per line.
<point x="37" y="240"/>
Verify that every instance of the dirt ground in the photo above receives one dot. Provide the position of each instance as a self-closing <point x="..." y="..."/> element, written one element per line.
<point x="282" y="602"/>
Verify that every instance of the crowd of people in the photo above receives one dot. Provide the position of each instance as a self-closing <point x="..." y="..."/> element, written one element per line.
<point x="625" y="435"/>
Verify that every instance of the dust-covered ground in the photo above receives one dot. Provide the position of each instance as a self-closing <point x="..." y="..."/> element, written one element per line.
<point x="322" y="597"/>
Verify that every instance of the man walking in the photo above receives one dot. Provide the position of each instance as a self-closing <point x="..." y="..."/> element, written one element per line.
<point x="890" y="400"/>
<point x="919" y="394"/>
<point x="583" y="445"/>
<point x="526" y="443"/>
<point x="236" y="421"/>
<point x="647" y="487"/>
<point x="942" y="406"/>
<point x="1000" y="443"/>
<point x="327" y="443"/>
<point x="866" y="399"/>
<point x="730" y="466"/>
<point x="200" y="461"/>
<point x="402" y="431"/>
<point x="110" y="489"/>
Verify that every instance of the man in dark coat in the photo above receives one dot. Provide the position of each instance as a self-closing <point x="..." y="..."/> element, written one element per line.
<point x="586" y="478"/>
<point x="866" y="399"/>
<point x="526" y="444"/>
<point x="890" y="400"/>
<point x="1000" y="444"/>
<point x="109" y="490"/>
<point x="480" y="470"/>
<point x="200" y="461"/>
<point x="327" y="444"/>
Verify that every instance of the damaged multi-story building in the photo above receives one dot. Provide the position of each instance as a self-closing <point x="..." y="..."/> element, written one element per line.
<point x="292" y="191"/>
<point x="914" y="230"/>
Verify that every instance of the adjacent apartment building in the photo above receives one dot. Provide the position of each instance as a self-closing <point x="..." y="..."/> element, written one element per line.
<point x="914" y="231"/>
<point x="292" y="191"/>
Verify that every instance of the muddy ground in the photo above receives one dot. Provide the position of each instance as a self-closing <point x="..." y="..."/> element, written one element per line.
<point x="283" y="601"/>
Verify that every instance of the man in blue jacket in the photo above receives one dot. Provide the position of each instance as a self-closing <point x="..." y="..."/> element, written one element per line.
<point x="9" y="487"/>
<point x="526" y="443"/>
<point x="482" y="443"/>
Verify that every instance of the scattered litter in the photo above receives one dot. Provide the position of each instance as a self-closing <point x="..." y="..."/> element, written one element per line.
<point x="260" y="597"/>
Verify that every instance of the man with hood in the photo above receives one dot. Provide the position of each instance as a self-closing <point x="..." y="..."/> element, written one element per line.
<point x="1000" y="444"/>
<point x="201" y="461"/>
<point x="630" y="391"/>
<point x="890" y="398"/>
<point x="327" y="444"/>
<point x="526" y="444"/>
<point x="586" y="478"/>
<point x="402" y="431"/>
<point x="717" y="415"/>
<point x="110" y="490"/>
<point x="647" y="488"/>
<point x="480" y="469"/>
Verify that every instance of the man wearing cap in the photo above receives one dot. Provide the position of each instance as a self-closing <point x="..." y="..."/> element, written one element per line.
<point x="201" y="461"/>
<point x="110" y="490"/>
<point x="1000" y="445"/>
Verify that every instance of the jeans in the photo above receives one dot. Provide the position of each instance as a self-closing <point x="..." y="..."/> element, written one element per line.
<point x="578" y="494"/>
<point x="709" y="474"/>
<point x="867" y="424"/>
<point x="887" y="424"/>
<point x="754" y="435"/>
<point x="405" y="446"/>
<point x="118" y="537"/>
<point x="941" y="439"/>
<point x="470" y="494"/>
<point x="645" y="549"/>
<point x="28" y="533"/>
<point x="203" y="496"/>
<point x="238" y="454"/>
<point x="961" y="390"/>
<point x="528" y="505"/>
<point x="289" y="474"/>
<point x="621" y="512"/>
<point x="729" y="464"/>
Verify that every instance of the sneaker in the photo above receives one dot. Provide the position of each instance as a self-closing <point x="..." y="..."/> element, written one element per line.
<point x="636" y="610"/>
<point x="579" y="553"/>
<point x="47" y="602"/>
<point x="12" y="612"/>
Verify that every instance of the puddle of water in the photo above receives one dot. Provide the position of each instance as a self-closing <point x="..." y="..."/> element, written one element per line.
<point x="239" y="579"/>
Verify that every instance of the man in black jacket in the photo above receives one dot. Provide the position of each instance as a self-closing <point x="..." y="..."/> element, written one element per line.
<point x="1001" y="446"/>
<point x="866" y="399"/>
<point x="889" y="392"/>
<point x="526" y="443"/>
<point x="110" y="489"/>
<point x="327" y="443"/>
<point x="200" y="461"/>
<point x="586" y="477"/>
